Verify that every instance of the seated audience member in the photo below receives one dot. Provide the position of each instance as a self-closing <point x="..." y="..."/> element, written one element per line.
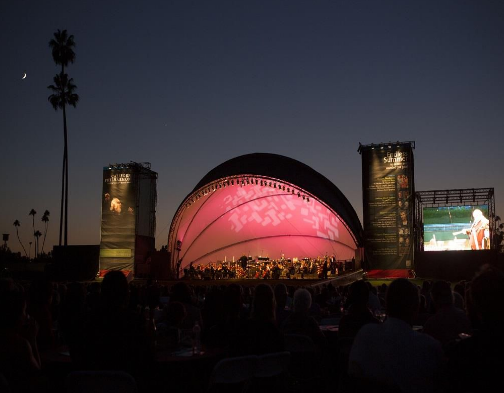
<point x="358" y="313"/>
<point x="316" y="308"/>
<point x="300" y="321"/>
<point x="259" y="334"/>
<point x="460" y="288"/>
<point x="426" y="287"/>
<point x="181" y="292"/>
<point x="423" y="314"/>
<point x="475" y="364"/>
<point x="373" y="302"/>
<point x="114" y="337"/>
<point x="392" y="354"/>
<point x="168" y="327"/>
<point x="448" y="321"/>
<point x="281" y="296"/>
<point x="72" y="313"/>
<point x="212" y="313"/>
<point x="221" y="335"/>
<point x="39" y="307"/>
<point x="93" y="295"/>
<point x="19" y="357"/>
<point x="458" y="301"/>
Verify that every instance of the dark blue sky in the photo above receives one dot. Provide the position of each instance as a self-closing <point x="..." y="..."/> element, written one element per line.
<point x="186" y="85"/>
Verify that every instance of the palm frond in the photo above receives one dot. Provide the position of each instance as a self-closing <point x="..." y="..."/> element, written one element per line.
<point x="63" y="92"/>
<point x="62" y="48"/>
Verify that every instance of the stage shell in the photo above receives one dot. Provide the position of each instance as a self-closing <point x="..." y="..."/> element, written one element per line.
<point x="263" y="205"/>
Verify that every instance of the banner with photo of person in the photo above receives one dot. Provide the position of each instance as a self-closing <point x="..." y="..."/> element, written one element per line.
<point x="117" y="246"/>
<point x="388" y="203"/>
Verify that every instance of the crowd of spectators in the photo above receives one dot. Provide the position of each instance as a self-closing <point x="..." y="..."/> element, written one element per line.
<point x="400" y="337"/>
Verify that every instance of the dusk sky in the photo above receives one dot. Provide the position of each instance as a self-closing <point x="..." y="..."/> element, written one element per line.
<point x="187" y="85"/>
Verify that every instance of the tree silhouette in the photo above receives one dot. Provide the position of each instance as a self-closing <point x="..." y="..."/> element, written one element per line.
<point x="32" y="213"/>
<point x="499" y="234"/>
<point x="62" y="49"/>
<point x="17" y="224"/>
<point x="63" y="95"/>
<point x="62" y="52"/>
<point x="45" y="220"/>
<point x="37" y="234"/>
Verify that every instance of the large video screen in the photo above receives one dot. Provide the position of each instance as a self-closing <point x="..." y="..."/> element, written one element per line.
<point x="452" y="228"/>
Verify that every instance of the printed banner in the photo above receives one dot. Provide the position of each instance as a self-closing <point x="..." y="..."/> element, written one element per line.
<point x="117" y="247"/>
<point x="388" y="191"/>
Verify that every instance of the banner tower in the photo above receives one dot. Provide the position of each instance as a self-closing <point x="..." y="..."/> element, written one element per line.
<point x="128" y="222"/>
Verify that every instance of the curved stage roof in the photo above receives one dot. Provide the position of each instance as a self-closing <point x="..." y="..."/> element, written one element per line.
<point x="263" y="205"/>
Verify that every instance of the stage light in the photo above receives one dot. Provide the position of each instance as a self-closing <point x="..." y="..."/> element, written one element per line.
<point x="232" y="182"/>
<point x="299" y="195"/>
<point x="274" y="185"/>
<point x="307" y="199"/>
<point x="288" y="189"/>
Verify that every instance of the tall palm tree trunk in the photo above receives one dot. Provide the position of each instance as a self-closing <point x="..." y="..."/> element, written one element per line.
<point x="45" y="235"/>
<point x="33" y="227"/>
<point x="63" y="175"/>
<point x="62" y="198"/>
<point x="66" y="175"/>
<point x="20" y="242"/>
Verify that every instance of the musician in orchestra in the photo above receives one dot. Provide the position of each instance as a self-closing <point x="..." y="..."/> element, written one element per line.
<point x="478" y="232"/>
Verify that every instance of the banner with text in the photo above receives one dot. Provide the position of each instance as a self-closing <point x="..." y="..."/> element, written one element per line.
<point x="117" y="247"/>
<point x="388" y="191"/>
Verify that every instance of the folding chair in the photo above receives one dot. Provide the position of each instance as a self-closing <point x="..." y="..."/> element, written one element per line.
<point x="232" y="374"/>
<point x="271" y="373"/>
<point x="100" y="382"/>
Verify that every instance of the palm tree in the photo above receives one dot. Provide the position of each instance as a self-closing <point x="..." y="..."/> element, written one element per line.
<point x="62" y="52"/>
<point x="63" y="95"/>
<point x="45" y="220"/>
<point x="32" y="213"/>
<point x="17" y="224"/>
<point x="37" y="234"/>
<point x="62" y="49"/>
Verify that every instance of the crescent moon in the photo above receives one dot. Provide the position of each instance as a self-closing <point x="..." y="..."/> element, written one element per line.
<point x="24" y="76"/>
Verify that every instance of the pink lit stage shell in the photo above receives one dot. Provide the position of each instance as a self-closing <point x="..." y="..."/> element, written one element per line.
<point x="258" y="220"/>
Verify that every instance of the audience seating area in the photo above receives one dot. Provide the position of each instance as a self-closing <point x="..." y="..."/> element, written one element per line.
<point x="116" y="336"/>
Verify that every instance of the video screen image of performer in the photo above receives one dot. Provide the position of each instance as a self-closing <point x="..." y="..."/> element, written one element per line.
<point x="479" y="232"/>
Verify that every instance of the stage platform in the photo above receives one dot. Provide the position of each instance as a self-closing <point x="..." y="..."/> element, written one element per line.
<point x="341" y="280"/>
<point x="390" y="274"/>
